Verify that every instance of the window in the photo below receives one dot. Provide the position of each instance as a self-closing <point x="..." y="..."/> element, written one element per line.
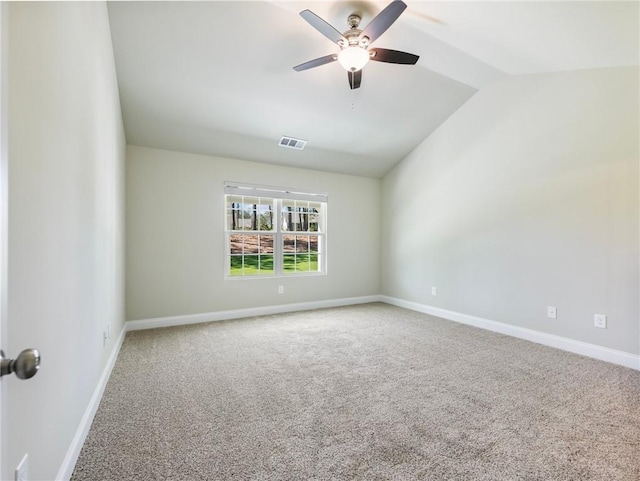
<point x="272" y="231"/>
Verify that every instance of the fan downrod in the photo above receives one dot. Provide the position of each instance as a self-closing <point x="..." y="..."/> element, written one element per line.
<point x="354" y="20"/>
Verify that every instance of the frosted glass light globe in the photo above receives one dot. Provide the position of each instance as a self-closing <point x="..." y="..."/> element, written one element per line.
<point x="353" y="59"/>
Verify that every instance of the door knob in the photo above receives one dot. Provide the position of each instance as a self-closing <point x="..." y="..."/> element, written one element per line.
<point x="26" y="365"/>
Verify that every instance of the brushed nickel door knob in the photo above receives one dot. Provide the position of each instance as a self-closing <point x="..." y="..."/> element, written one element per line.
<point x="24" y="366"/>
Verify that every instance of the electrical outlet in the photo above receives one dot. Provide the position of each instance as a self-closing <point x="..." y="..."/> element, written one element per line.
<point x="433" y="291"/>
<point x="600" y="321"/>
<point x="22" y="471"/>
<point x="552" y="312"/>
<point x="280" y="289"/>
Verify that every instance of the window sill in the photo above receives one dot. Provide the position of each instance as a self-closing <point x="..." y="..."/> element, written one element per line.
<point x="275" y="276"/>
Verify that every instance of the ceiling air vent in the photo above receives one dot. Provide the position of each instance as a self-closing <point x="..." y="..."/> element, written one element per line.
<point x="292" y="143"/>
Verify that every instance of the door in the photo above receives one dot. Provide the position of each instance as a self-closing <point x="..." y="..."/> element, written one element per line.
<point x="26" y="364"/>
<point x="4" y="21"/>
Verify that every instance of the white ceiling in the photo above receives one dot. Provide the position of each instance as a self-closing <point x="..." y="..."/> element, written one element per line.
<point x="217" y="78"/>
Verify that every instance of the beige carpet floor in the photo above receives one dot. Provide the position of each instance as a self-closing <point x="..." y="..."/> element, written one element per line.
<point x="369" y="392"/>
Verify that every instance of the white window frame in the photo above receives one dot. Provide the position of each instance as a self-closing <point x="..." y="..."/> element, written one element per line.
<point x="277" y="196"/>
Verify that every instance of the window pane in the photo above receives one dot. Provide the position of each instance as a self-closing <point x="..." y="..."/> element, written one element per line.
<point x="251" y="265"/>
<point x="313" y="243"/>
<point x="250" y="244"/>
<point x="288" y="263"/>
<point x="241" y="216"/>
<point x="296" y="219"/>
<point x="314" y="262"/>
<point x="266" y="244"/>
<point x="250" y="219"/>
<point x="234" y="214"/>
<point x="303" y="220"/>
<point x="265" y="216"/>
<point x="302" y="243"/>
<point x="266" y="265"/>
<point x="288" y="218"/>
<point x="235" y="265"/>
<point x="235" y="244"/>
<point x="289" y="243"/>
<point x="302" y="262"/>
<point x="314" y="219"/>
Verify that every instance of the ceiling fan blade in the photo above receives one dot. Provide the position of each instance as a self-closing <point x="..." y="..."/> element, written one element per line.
<point x="323" y="27"/>
<point x="315" y="63"/>
<point x="393" y="56"/>
<point x="354" y="79"/>
<point x="383" y="20"/>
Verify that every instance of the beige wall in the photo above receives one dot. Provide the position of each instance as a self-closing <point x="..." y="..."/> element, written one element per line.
<point x="66" y="239"/>
<point x="175" y="235"/>
<point x="526" y="197"/>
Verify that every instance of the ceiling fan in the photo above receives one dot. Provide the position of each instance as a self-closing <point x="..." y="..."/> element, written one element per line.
<point x="354" y="43"/>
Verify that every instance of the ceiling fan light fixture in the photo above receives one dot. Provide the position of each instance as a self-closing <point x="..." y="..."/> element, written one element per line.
<point x="354" y="43"/>
<point x="353" y="58"/>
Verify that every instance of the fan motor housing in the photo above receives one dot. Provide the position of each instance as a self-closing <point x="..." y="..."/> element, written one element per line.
<point x="353" y="34"/>
<point x="353" y="38"/>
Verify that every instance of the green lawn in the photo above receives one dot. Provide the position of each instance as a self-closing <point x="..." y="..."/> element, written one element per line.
<point x="300" y="262"/>
<point x="255" y="265"/>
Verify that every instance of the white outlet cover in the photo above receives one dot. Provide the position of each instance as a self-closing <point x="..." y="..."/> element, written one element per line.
<point x="552" y="312"/>
<point x="280" y="289"/>
<point x="600" y="321"/>
<point x="433" y="291"/>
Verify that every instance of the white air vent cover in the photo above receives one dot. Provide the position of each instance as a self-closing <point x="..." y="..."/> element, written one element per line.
<point x="292" y="143"/>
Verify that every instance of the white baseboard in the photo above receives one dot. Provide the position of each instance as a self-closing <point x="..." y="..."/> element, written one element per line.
<point x="69" y="463"/>
<point x="578" y="347"/>
<point x="240" y="313"/>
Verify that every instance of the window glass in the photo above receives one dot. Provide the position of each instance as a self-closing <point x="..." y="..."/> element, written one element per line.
<point x="273" y="236"/>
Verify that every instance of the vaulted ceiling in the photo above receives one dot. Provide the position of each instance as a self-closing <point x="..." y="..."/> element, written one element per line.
<point x="216" y="77"/>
